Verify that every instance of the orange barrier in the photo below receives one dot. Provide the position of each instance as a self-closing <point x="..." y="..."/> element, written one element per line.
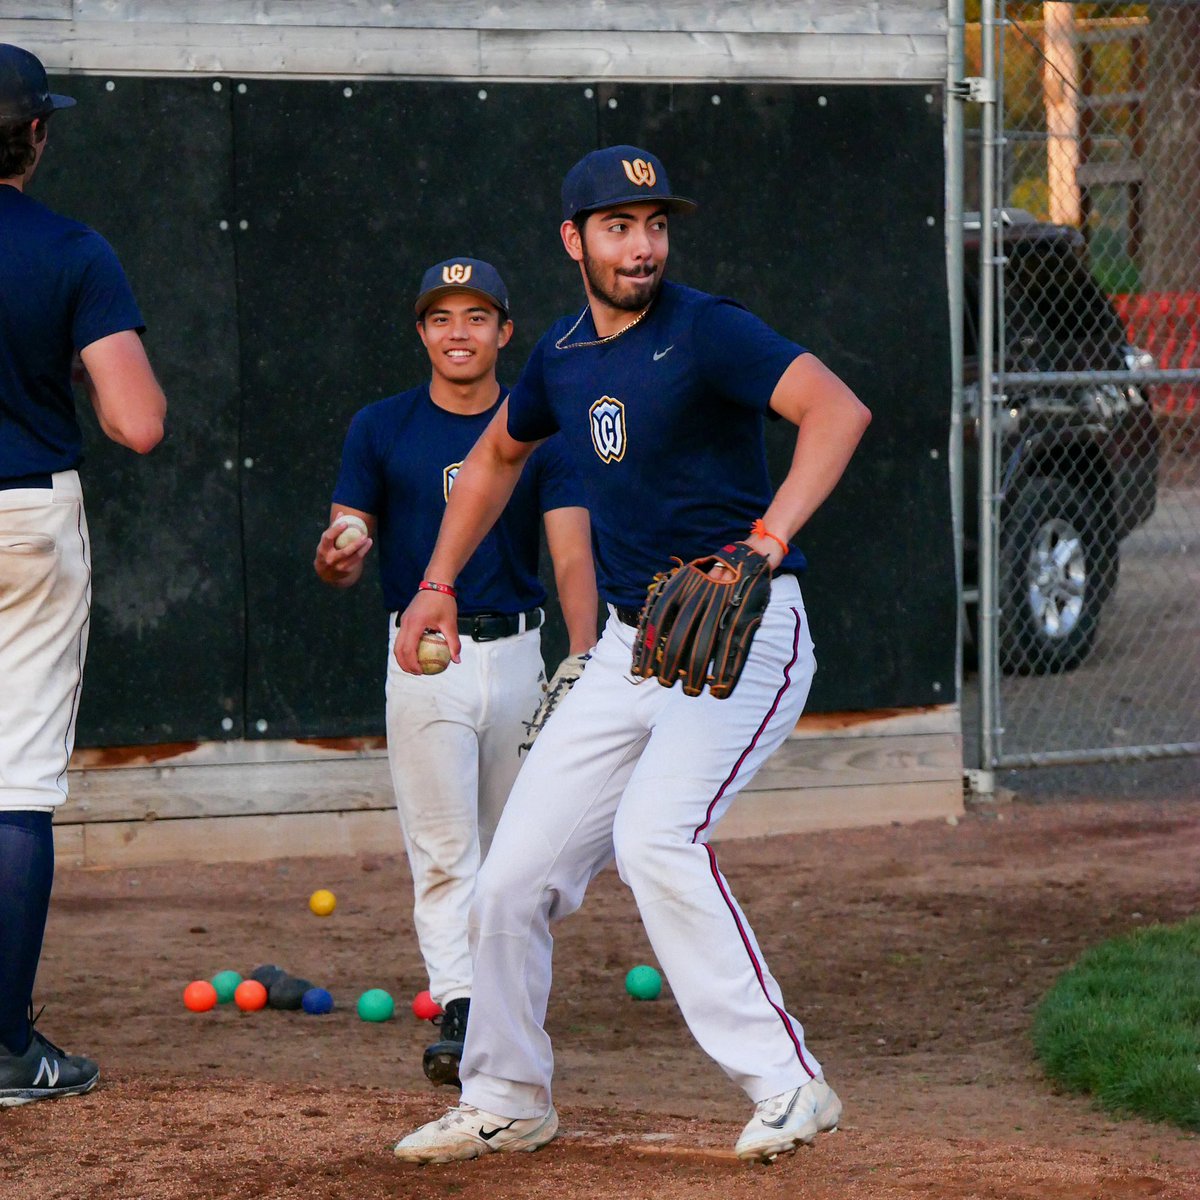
<point x="1167" y="324"/>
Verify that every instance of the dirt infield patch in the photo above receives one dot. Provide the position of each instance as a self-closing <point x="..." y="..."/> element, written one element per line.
<point x="914" y="955"/>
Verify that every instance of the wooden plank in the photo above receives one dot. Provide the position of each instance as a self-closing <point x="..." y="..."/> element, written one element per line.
<point x="759" y="814"/>
<point x="894" y="722"/>
<point x="363" y="783"/>
<point x="229" y="839"/>
<point x="669" y="16"/>
<point x="801" y="763"/>
<point x="256" y="839"/>
<point x="233" y="790"/>
<point x="712" y="56"/>
<point x="32" y="10"/>
<point x="310" y="52"/>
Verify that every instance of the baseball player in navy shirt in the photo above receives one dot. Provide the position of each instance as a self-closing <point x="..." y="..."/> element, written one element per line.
<point x="660" y="393"/>
<point x="453" y="739"/>
<point x="62" y="294"/>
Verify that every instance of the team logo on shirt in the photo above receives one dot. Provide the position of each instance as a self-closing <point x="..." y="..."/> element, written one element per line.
<point x="607" y="417"/>
<point x="456" y="273"/>
<point x="449" y="475"/>
<point x="639" y="172"/>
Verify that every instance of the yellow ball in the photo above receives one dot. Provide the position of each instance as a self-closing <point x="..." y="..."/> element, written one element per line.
<point x="322" y="902"/>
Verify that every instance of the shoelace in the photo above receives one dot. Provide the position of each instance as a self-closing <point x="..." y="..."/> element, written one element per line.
<point x="36" y="1035"/>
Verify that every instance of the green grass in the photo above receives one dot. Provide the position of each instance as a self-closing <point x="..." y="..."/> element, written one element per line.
<point x="1123" y="1024"/>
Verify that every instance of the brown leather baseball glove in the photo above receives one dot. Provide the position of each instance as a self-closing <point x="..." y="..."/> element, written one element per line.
<point x="699" y="629"/>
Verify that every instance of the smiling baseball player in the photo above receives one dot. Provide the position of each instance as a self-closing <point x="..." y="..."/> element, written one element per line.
<point x="660" y="392"/>
<point x="454" y="738"/>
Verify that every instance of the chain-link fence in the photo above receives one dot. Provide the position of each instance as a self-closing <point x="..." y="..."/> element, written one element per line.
<point x="1088" y="610"/>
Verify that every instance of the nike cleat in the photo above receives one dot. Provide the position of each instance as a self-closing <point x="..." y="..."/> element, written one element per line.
<point x="781" y="1123"/>
<point x="468" y="1132"/>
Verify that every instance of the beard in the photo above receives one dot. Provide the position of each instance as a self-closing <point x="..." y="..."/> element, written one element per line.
<point x="637" y="297"/>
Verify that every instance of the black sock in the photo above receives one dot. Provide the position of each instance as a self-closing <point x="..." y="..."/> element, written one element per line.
<point x="26" y="877"/>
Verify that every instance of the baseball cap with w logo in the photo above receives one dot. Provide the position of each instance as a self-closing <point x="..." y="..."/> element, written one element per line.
<point x="618" y="175"/>
<point x="463" y="275"/>
<point x="24" y="89"/>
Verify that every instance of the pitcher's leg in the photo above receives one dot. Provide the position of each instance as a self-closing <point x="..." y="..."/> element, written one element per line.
<point x="555" y="834"/>
<point x="701" y="753"/>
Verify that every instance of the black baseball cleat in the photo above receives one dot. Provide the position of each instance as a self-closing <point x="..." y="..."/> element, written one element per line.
<point x="442" y="1058"/>
<point x="43" y="1072"/>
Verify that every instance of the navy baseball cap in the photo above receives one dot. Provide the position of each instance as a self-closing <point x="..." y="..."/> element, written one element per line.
<point x="618" y="175"/>
<point x="24" y="89"/>
<point x="462" y="275"/>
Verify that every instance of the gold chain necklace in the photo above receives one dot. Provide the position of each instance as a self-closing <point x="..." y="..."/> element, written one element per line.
<point x="612" y="337"/>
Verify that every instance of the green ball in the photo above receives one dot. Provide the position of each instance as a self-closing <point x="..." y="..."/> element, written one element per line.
<point x="643" y="983"/>
<point x="376" y="1005"/>
<point x="226" y="984"/>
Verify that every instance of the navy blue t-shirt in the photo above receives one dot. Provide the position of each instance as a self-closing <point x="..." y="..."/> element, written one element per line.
<point x="399" y="463"/>
<point x="61" y="288"/>
<point x="664" y="425"/>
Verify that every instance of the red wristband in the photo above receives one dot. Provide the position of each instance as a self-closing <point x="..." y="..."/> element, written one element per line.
<point x="427" y="585"/>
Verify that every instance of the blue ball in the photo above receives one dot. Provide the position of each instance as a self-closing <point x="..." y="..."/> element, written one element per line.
<point x="317" y="1002"/>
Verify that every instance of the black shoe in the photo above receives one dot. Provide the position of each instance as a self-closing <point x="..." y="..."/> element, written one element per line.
<point x="442" y="1058"/>
<point x="43" y="1072"/>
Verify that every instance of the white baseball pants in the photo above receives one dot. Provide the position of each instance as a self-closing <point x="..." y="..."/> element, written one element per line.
<point x="629" y="769"/>
<point x="45" y="600"/>
<point x="453" y="745"/>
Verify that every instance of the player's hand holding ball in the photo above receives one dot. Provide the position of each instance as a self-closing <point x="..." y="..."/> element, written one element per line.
<point x="341" y="550"/>
<point x="434" y="610"/>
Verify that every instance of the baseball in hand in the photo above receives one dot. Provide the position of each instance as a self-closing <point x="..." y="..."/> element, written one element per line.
<point x="432" y="653"/>
<point x="354" y="529"/>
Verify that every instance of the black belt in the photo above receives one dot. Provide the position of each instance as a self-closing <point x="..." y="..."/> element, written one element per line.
<point x="27" y="481"/>
<point x="490" y="627"/>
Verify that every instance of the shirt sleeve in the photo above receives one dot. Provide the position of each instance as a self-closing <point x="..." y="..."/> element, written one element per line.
<point x="530" y="417"/>
<point x="104" y="302"/>
<point x="741" y="356"/>
<point x="360" y="481"/>
<point x="558" y="484"/>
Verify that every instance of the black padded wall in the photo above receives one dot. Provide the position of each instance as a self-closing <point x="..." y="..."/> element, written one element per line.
<point x="821" y="210"/>
<point x="148" y="164"/>
<point x="275" y="233"/>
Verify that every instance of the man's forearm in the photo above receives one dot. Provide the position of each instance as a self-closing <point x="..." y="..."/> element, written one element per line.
<point x="577" y="596"/>
<point x="481" y="490"/>
<point x="825" y="443"/>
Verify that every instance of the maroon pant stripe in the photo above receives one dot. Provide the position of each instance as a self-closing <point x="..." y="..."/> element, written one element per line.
<point x="712" y="857"/>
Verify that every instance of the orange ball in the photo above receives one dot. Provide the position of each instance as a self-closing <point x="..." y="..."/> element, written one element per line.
<point x="425" y="1007"/>
<point x="250" y="995"/>
<point x="200" y="996"/>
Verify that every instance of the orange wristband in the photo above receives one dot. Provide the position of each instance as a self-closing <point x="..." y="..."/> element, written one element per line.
<point x="758" y="529"/>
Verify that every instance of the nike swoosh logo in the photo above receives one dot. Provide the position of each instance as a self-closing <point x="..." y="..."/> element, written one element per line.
<point x="663" y="353"/>
<point x="488" y="1134"/>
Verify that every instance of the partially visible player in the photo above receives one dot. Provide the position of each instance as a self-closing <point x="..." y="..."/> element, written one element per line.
<point x="660" y="393"/>
<point x="62" y="293"/>
<point x="454" y="738"/>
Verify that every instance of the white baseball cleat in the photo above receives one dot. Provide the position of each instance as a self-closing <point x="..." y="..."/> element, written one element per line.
<point x="781" y="1123"/>
<point x="468" y="1132"/>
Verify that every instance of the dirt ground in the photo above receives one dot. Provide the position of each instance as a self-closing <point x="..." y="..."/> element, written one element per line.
<point x="914" y="955"/>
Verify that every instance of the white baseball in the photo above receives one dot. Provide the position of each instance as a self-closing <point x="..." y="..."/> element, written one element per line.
<point x="354" y="529"/>
<point x="432" y="653"/>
